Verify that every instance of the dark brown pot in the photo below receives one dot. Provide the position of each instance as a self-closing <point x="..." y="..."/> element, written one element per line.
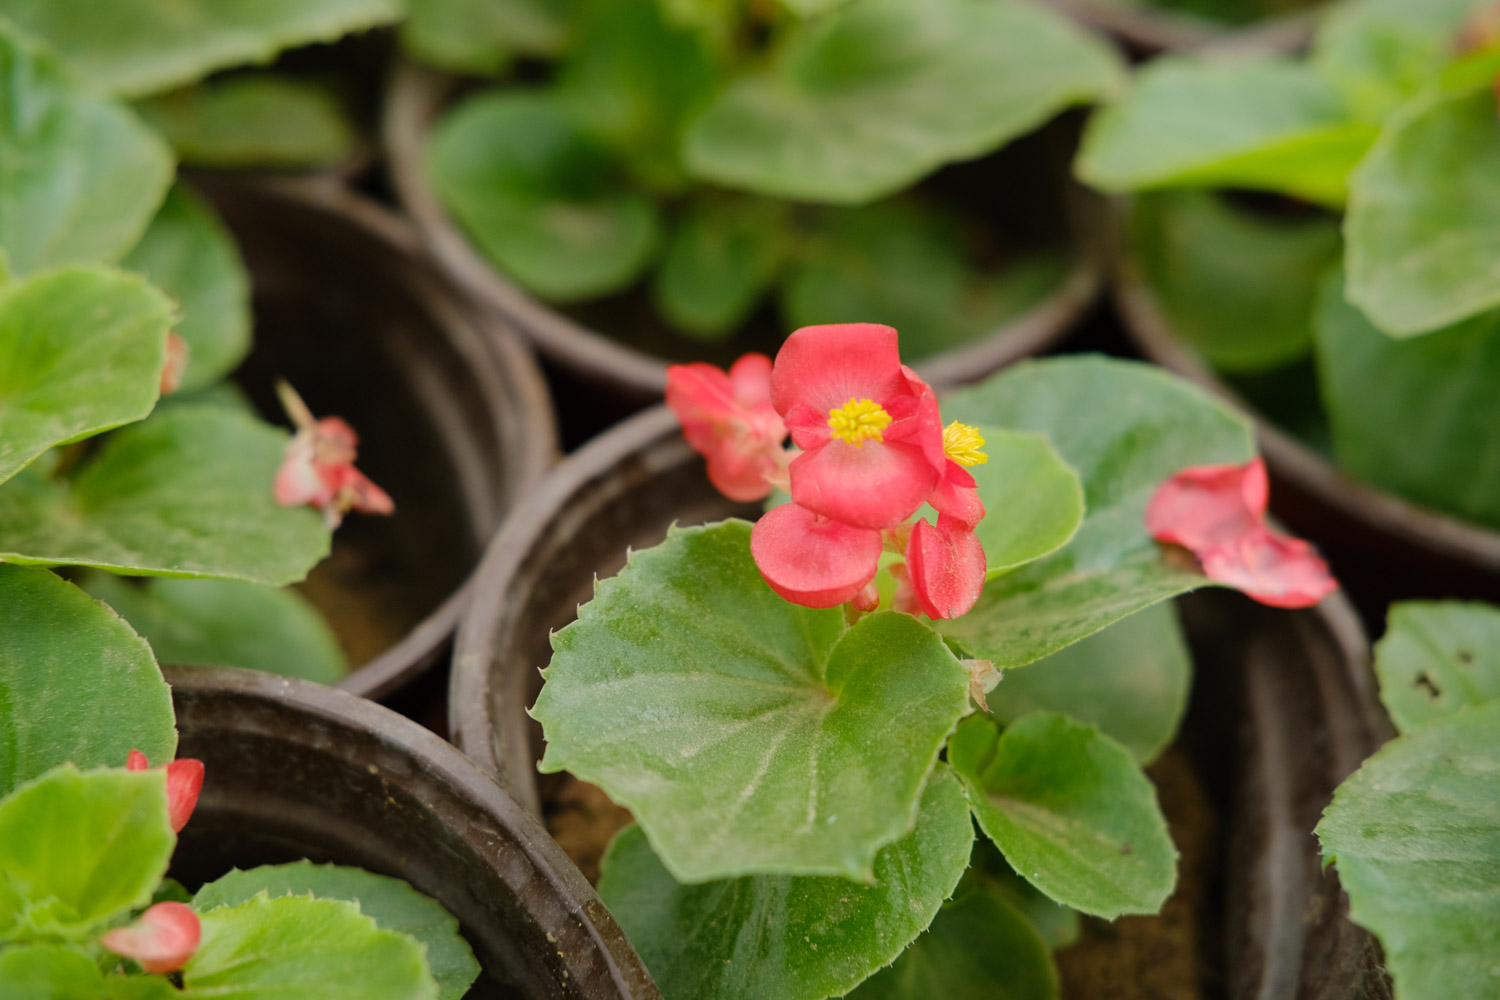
<point x="454" y="417"/>
<point x="418" y="96"/>
<point x="1146" y="32"/>
<point x="1295" y="687"/>
<point x="296" y="770"/>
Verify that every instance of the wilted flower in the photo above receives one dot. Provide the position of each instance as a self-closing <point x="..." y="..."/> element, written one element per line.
<point x="184" y="782"/>
<point x="161" y="940"/>
<point x="318" y="466"/>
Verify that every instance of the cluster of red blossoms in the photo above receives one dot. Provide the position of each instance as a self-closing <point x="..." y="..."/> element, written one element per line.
<point x="873" y="450"/>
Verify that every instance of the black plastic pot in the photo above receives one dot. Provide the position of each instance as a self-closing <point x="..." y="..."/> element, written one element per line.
<point x="453" y="414"/>
<point x="1147" y="31"/>
<point x="1295" y="688"/>
<point x="296" y="770"/>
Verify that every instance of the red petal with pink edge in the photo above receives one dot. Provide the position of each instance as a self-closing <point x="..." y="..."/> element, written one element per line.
<point x="826" y="366"/>
<point x="1208" y="505"/>
<point x="1273" y="569"/>
<point x="809" y="427"/>
<point x="811" y="560"/>
<point x="727" y="418"/>
<point x="136" y="761"/>
<point x="957" y="496"/>
<point x="946" y="567"/>
<point x="184" y="782"/>
<point x="872" y="485"/>
<point x="161" y="940"/>
<point x="927" y="429"/>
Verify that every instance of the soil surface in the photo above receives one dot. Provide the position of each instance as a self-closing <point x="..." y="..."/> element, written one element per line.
<point x="582" y="819"/>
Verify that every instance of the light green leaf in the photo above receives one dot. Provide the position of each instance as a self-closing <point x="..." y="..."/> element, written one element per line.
<point x="1436" y="658"/>
<point x="1271" y="124"/>
<point x="480" y="36"/>
<point x="861" y="103"/>
<point x="81" y="351"/>
<point x="1125" y="428"/>
<point x="768" y="937"/>
<point x="1236" y="284"/>
<point x="226" y="623"/>
<point x="186" y="493"/>
<point x="253" y="120"/>
<point x="135" y="47"/>
<point x="1415" y="833"/>
<point x="48" y="972"/>
<point x="747" y="734"/>
<point x="299" y="948"/>
<point x="539" y="198"/>
<point x="1131" y="681"/>
<point x="82" y="849"/>
<point x="80" y="176"/>
<point x="1034" y="499"/>
<point x="76" y="684"/>
<point x="189" y="254"/>
<point x="1416" y="417"/>
<point x="391" y="903"/>
<point x="1424" y="220"/>
<point x="1072" y="812"/>
<point x="812" y="8"/>
<point x="720" y="261"/>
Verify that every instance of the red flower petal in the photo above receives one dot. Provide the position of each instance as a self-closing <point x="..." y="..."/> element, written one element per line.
<point x="873" y="485"/>
<point x="176" y="364"/>
<point x="946" y="566"/>
<point x="184" y="782"/>
<point x="136" y="761"/>
<point x="957" y="496"/>
<point x="161" y="940"/>
<point x="826" y="366"/>
<point x="811" y="560"/>
<point x="1208" y="505"/>
<point x="728" y="419"/>
<point x="1273" y="569"/>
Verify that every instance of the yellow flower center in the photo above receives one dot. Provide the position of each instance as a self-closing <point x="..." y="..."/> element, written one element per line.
<point x="962" y="443"/>
<point x="858" y="420"/>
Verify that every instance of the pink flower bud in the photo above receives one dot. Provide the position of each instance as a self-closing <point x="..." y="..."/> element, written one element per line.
<point x="184" y="782"/>
<point x="161" y="940"/>
<point x="317" y="467"/>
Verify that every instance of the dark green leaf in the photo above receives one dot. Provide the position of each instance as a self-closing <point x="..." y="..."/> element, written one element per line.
<point x="1436" y="658"/>
<point x="480" y="36"/>
<point x="719" y="264"/>
<point x="1035" y="497"/>
<point x="48" y="972"/>
<point x="1058" y="925"/>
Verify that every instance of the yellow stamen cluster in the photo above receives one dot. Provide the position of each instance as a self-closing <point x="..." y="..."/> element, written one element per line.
<point x="858" y="420"/>
<point x="962" y="443"/>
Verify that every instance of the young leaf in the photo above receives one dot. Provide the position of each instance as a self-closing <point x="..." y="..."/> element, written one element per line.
<point x="300" y="947"/>
<point x="1436" y="658"/>
<point x="48" y="972"/>
<point x="747" y="734"/>
<point x="861" y="103"/>
<point x="189" y="254"/>
<point x="539" y="198"/>
<point x="720" y="261"/>
<point x="480" y="36"/>
<point x="1415" y="834"/>
<point x="81" y="175"/>
<point x="79" y="685"/>
<point x="780" y="937"/>
<point x="391" y="903"/>
<point x="1071" y="811"/>
<point x="81" y="351"/>
<point x="186" y="493"/>
<point x="226" y="623"/>
<point x="1036" y="498"/>
<point x="1125" y="427"/>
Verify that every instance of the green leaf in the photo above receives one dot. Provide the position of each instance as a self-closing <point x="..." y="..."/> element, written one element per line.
<point x="767" y="937"/>
<point x="980" y="947"/>
<point x="1125" y="427"/>
<point x="1036" y="499"/>
<point x="186" y="493"/>
<point x="82" y="849"/>
<point x="391" y="903"/>
<point x="988" y="871"/>
<point x="1235" y="284"/>
<point x="1416" y="417"/>
<point x="48" y="972"/>
<point x="539" y="198"/>
<point x="1131" y="681"/>
<point x="226" y="623"/>
<point x="720" y="261"/>
<point x="76" y="684"/>
<point x="253" y="120"/>
<point x="81" y="351"/>
<point x="135" y="47"/>
<point x="300" y="948"/>
<point x="1415" y="833"/>
<point x="747" y="734"/>
<point x="908" y="264"/>
<point x="1072" y="812"/>
<point x="189" y="254"/>
<point x="80" y="176"/>
<point x="1424" y="223"/>
<point x="480" y="36"/>
<point x="1436" y="658"/>
<point x="1271" y="124"/>
<point x="863" y="102"/>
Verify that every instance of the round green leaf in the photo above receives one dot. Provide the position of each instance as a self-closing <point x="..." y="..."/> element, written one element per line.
<point x="391" y="903"/>
<point x="48" y="972"/>
<point x="1035" y="499"/>
<point x="769" y="937"/>
<point x="254" y="120"/>
<point x="480" y="36"/>
<point x="1071" y="811"/>
<point x="861" y="103"/>
<point x="720" y="262"/>
<point x="747" y="734"/>
<point x="76" y="684"/>
<point x="1415" y="833"/>
<point x="81" y="351"/>
<point x="988" y="871"/>
<point x="1436" y="658"/>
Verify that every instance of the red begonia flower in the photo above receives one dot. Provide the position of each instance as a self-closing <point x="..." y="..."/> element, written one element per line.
<point x="945" y="567"/>
<point x="184" y="782"/>
<point x="161" y="940"/>
<point x="1218" y="513"/>
<point x="317" y="467"/>
<point x="811" y="560"/>
<point x="728" y="419"/>
<point x="177" y="362"/>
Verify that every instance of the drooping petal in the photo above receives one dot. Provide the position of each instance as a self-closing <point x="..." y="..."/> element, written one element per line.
<point x="872" y="485"/>
<point x="161" y="940"/>
<point x="184" y="782"/>
<point x="813" y="561"/>
<point x="946" y="567"/>
<point x="1271" y="568"/>
<point x="1208" y="505"/>
<point x="957" y="496"/>
<point x="826" y="366"/>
